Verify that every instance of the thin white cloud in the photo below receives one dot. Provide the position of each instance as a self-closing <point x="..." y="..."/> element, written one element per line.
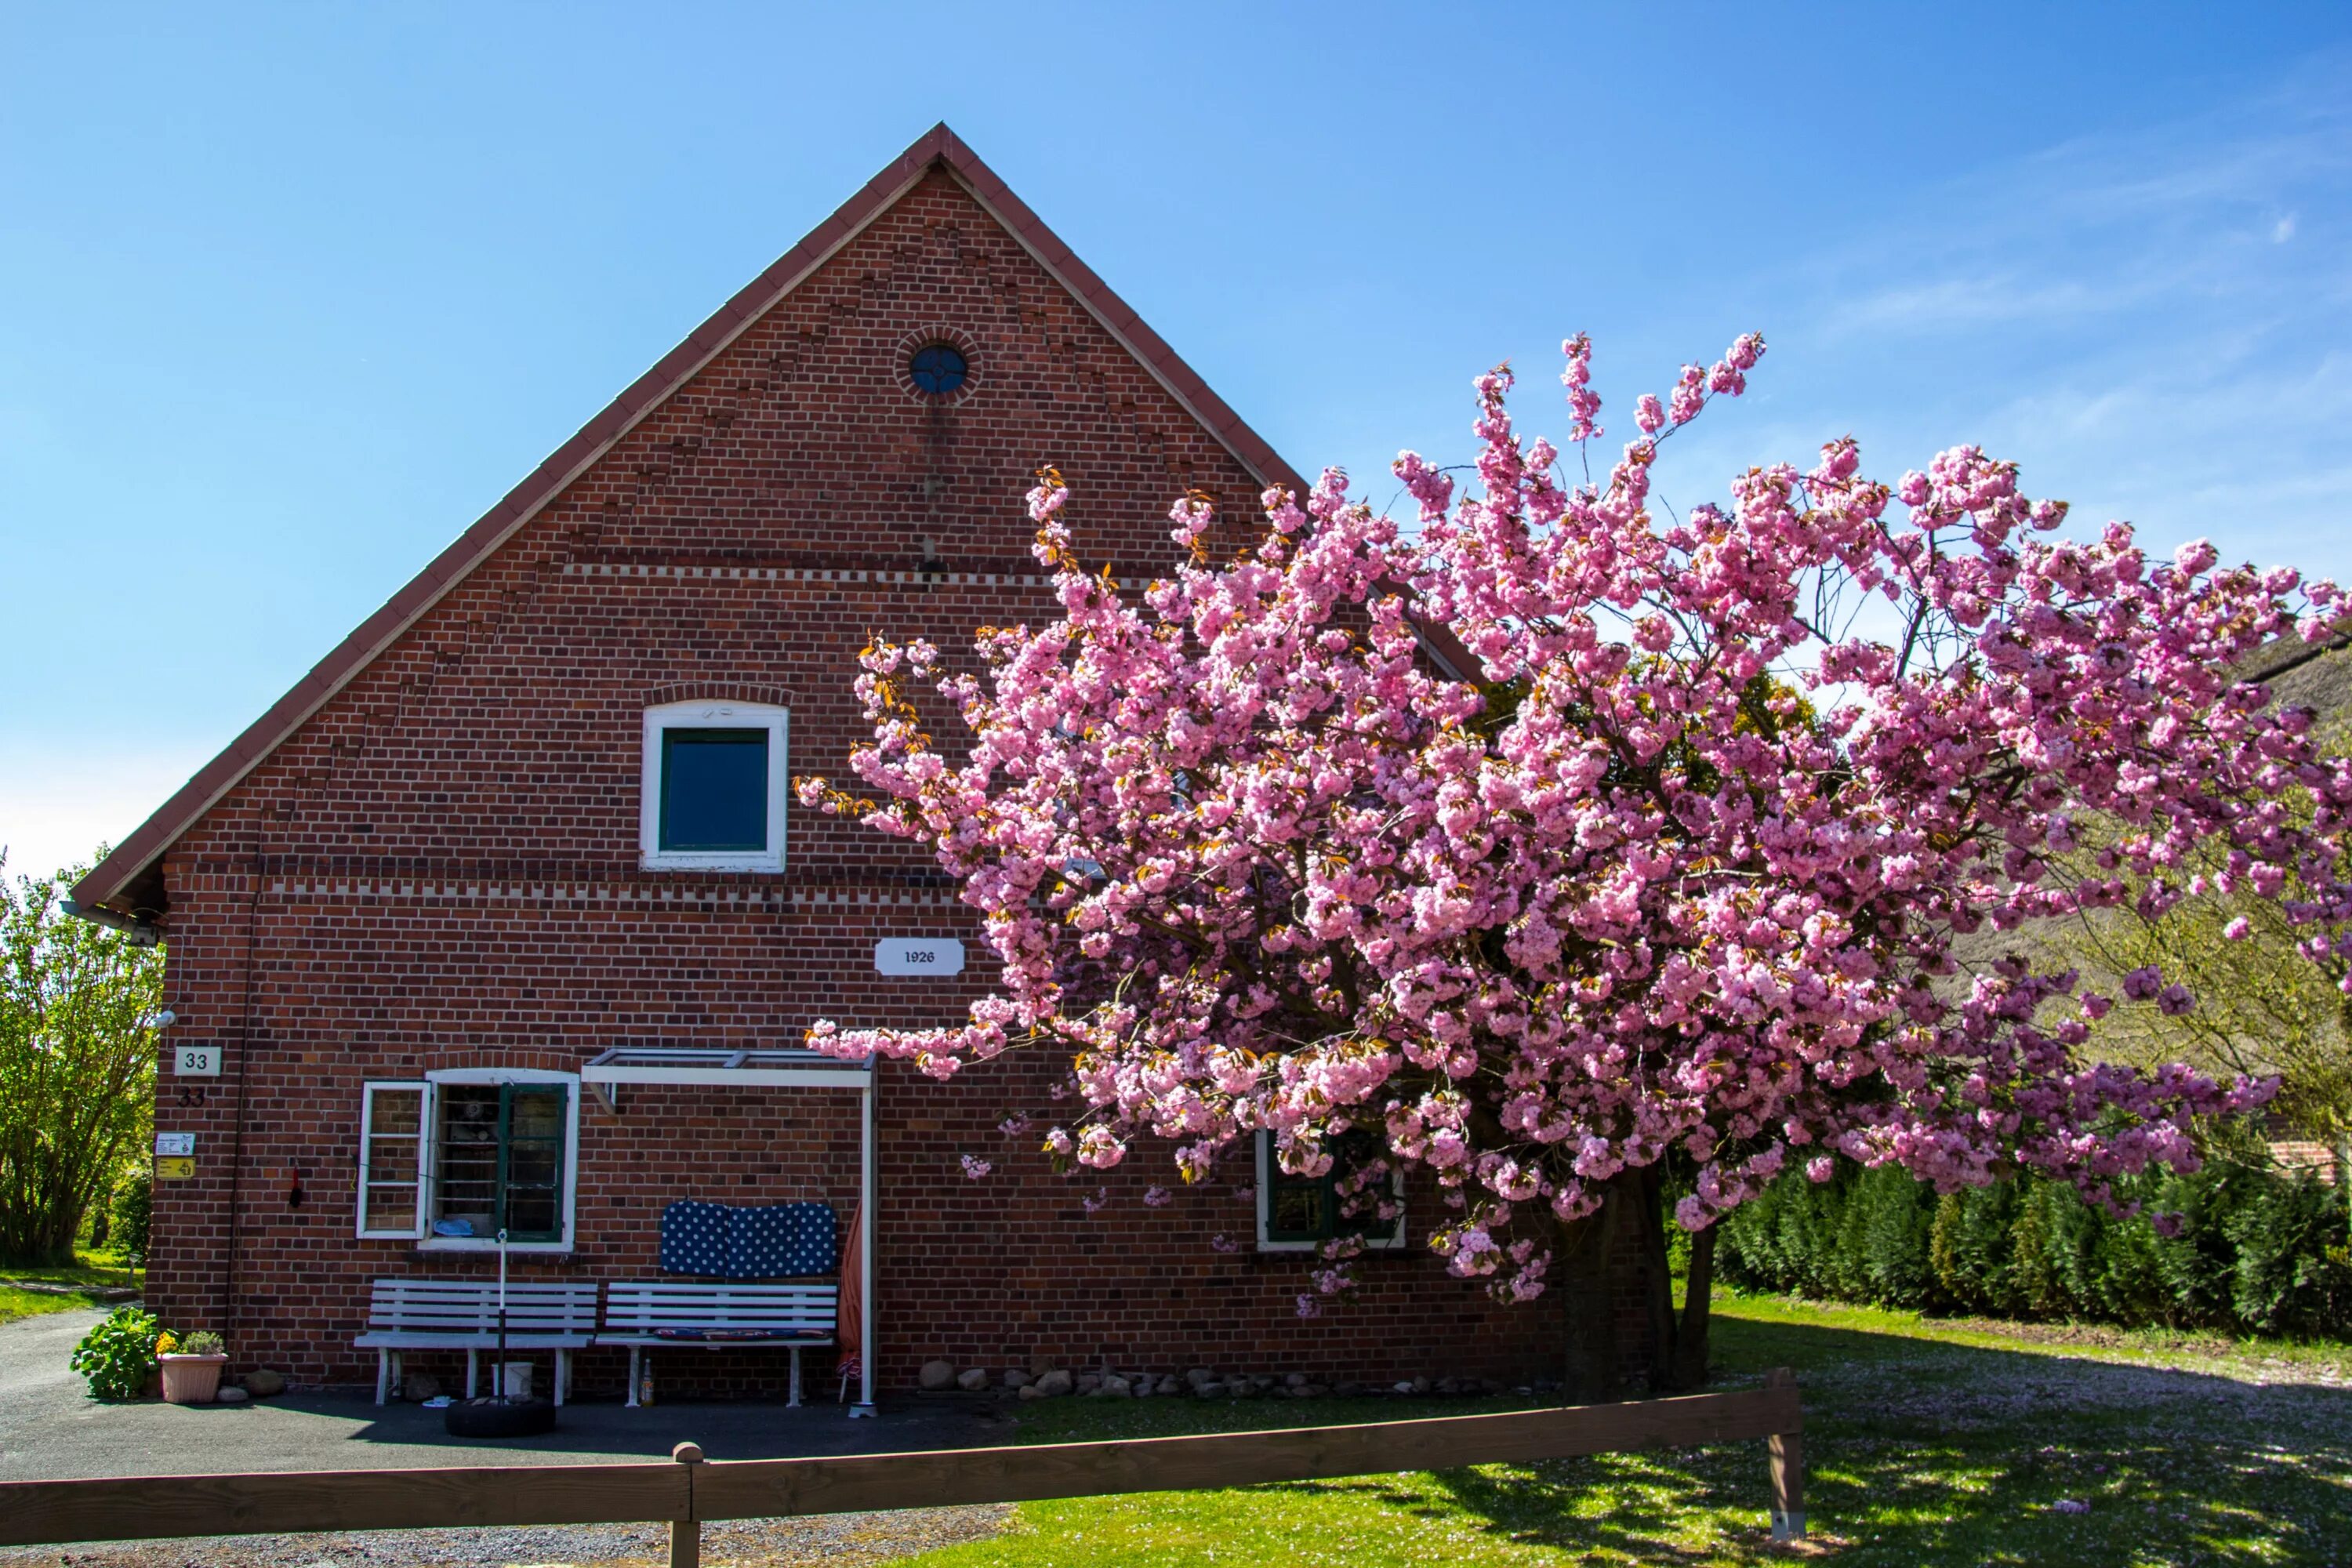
<point x="2124" y="316"/>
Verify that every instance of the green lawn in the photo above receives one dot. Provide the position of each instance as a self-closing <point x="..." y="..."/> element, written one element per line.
<point x="1928" y="1442"/>
<point x="98" y="1269"/>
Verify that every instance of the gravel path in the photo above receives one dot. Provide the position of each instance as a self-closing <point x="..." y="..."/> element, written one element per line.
<point x="839" y="1541"/>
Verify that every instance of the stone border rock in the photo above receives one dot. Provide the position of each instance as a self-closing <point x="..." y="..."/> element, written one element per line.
<point x="1041" y="1380"/>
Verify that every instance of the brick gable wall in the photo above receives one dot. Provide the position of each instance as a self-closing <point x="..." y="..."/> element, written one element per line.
<point x="440" y="868"/>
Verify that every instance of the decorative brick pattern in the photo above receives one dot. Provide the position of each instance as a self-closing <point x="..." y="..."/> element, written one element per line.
<point x="963" y="343"/>
<point x="439" y="868"/>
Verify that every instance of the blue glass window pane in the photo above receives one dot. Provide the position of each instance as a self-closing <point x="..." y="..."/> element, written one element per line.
<point x="938" y="370"/>
<point x="714" y="790"/>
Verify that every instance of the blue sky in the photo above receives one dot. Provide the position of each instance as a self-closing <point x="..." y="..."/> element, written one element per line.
<point x="287" y="297"/>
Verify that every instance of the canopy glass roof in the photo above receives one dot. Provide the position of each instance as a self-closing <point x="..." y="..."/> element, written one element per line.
<point x="794" y="1067"/>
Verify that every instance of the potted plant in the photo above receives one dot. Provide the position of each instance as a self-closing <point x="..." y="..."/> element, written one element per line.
<point x="191" y="1367"/>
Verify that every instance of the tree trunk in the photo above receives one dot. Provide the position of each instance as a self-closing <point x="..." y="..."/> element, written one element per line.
<point x="1678" y="1341"/>
<point x="1592" y="1273"/>
<point x="1588" y="1259"/>
<point x="38" y="1222"/>
<point x="1689" y="1359"/>
<point x="44" y="1241"/>
<point x="1657" y="1277"/>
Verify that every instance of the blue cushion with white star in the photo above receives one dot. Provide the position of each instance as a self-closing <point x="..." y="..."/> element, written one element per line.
<point x="781" y="1240"/>
<point x="694" y="1238"/>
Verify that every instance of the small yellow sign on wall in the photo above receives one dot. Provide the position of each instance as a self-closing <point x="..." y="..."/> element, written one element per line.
<point x="174" y="1167"/>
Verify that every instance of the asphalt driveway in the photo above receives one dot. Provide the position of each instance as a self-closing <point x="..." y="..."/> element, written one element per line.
<point x="51" y="1429"/>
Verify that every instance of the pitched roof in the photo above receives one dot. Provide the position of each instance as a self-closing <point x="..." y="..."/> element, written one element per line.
<point x="133" y="868"/>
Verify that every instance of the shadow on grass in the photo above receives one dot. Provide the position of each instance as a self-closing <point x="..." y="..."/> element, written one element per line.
<point x="1923" y="1451"/>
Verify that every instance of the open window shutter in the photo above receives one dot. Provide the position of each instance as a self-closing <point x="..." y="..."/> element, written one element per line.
<point x="395" y="1120"/>
<point x="533" y="1133"/>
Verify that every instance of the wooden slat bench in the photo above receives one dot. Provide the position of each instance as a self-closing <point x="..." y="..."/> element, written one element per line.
<point x="407" y="1314"/>
<point x="645" y="1313"/>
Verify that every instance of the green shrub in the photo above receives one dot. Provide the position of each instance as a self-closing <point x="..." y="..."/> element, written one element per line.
<point x="134" y="1203"/>
<point x="1860" y="1238"/>
<point x="2256" y="1251"/>
<point x="1971" y="1251"/>
<point x="117" y="1355"/>
<point x="2293" y="1273"/>
<point x="1889" y="1220"/>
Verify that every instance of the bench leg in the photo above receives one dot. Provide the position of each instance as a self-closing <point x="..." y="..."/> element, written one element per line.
<point x="472" y="1369"/>
<point x="562" y="1366"/>
<point x="793" y="1403"/>
<point x="382" y="1372"/>
<point x="636" y="1354"/>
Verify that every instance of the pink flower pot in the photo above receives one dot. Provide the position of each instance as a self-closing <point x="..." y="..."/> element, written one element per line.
<point x="190" y="1379"/>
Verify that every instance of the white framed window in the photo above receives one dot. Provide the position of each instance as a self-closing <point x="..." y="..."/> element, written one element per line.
<point x="1299" y="1213"/>
<point x="451" y="1160"/>
<point x="713" y="787"/>
<point x="393" y="1158"/>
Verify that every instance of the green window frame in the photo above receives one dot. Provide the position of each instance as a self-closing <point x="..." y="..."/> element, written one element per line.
<point x="501" y="1156"/>
<point x="1299" y="1212"/>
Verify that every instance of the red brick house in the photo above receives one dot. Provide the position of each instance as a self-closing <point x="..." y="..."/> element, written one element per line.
<point x="448" y="922"/>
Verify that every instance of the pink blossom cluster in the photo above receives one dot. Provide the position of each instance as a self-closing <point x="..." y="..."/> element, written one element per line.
<point x="1661" y="846"/>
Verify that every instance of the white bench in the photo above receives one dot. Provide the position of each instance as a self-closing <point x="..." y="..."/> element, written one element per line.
<point x="717" y="1318"/>
<point x="407" y="1314"/>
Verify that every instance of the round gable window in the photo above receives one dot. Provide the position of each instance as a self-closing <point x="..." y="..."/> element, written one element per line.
<point x="938" y="369"/>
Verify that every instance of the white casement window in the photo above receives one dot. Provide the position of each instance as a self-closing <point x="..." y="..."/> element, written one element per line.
<point x="504" y="1157"/>
<point x="1299" y="1213"/>
<point x="452" y="1160"/>
<point x="393" y="1160"/>
<point x="714" y="786"/>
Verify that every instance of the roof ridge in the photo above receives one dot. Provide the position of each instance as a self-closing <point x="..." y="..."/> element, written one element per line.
<point x="137" y="854"/>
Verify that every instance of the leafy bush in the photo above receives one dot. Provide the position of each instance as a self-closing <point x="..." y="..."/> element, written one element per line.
<point x="117" y="1355"/>
<point x="2293" y="1272"/>
<point x="1862" y="1238"/>
<point x="134" y="1203"/>
<point x="2256" y="1251"/>
<point x="1970" y="1250"/>
<point x="78" y="1049"/>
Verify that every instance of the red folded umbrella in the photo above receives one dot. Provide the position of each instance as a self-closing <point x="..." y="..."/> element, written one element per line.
<point x="850" y="1311"/>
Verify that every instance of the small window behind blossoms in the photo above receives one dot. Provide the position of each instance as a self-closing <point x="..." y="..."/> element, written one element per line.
<point x="1299" y="1213"/>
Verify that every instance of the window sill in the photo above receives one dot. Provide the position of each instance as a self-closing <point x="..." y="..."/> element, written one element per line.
<point x="761" y="861"/>
<point x="1396" y="1243"/>
<point x="487" y="1244"/>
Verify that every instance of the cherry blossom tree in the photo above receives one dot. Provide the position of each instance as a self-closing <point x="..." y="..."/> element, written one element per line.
<point x="1658" y="898"/>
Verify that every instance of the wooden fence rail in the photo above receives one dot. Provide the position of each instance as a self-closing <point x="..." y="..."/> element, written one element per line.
<point x="689" y="1490"/>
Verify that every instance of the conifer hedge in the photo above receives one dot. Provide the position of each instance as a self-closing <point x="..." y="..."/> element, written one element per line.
<point x="2254" y="1250"/>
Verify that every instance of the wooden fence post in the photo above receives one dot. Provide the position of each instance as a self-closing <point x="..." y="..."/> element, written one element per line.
<point x="1787" y="1451"/>
<point x="686" y="1534"/>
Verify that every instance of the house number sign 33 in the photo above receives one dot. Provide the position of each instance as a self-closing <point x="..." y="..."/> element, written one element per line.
<point x="195" y="1062"/>
<point x="918" y="955"/>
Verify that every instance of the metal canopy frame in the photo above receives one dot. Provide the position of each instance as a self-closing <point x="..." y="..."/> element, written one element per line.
<point x="720" y="1067"/>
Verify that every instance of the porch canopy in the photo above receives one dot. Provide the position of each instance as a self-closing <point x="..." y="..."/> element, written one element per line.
<point x="719" y="1066"/>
